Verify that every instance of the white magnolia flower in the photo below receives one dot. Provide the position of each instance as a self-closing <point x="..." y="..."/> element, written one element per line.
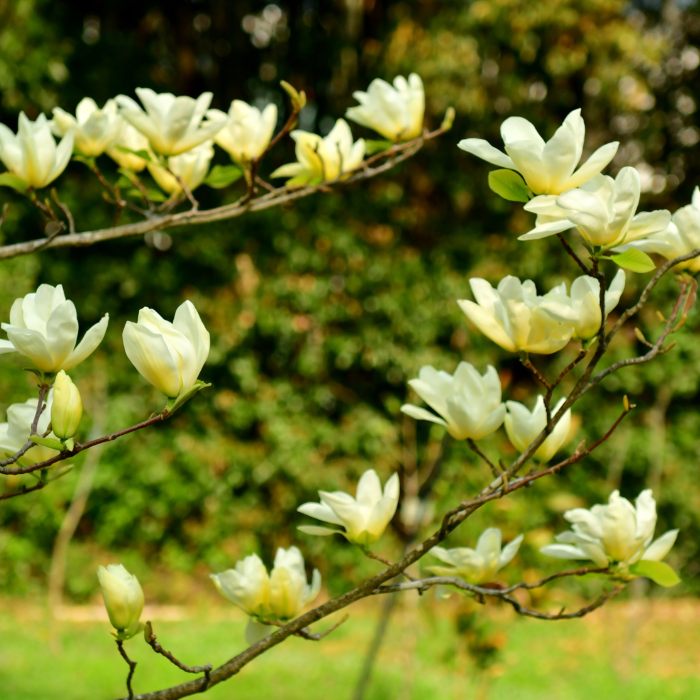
<point x="172" y="124"/>
<point x="582" y="308"/>
<point x="321" y="159"/>
<point x="192" y="167"/>
<point x="547" y="168"/>
<point x="44" y="327"/>
<point x="617" y="533"/>
<point x="523" y="426"/>
<point x="247" y="131"/>
<point x="282" y="595"/>
<point x="67" y="409"/>
<point x="168" y="355"/>
<point x="122" y="595"/>
<point x="469" y="403"/>
<point x="94" y="129"/>
<point x="15" y="433"/>
<point x="602" y="210"/>
<point x="128" y="137"/>
<point x="680" y="238"/>
<point x="32" y="154"/>
<point x="512" y="316"/>
<point x="478" y="565"/>
<point x="364" y="518"/>
<point x="394" y="112"/>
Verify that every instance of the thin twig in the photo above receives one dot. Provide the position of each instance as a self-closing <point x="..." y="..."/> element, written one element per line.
<point x="150" y="638"/>
<point x="473" y="446"/>
<point x="571" y="252"/>
<point x="306" y="633"/>
<point x="66" y="211"/>
<point x="132" y="667"/>
<point x="384" y="561"/>
<point x="23" y="491"/>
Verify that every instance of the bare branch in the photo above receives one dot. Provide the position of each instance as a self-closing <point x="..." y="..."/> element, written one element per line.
<point x="132" y="667"/>
<point x="150" y="638"/>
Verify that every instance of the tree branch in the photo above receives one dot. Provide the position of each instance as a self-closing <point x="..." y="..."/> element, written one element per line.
<point x="150" y="638"/>
<point x="132" y="667"/>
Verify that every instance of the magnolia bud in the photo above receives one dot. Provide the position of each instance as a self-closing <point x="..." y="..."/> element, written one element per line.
<point x="67" y="408"/>
<point x="122" y="595"/>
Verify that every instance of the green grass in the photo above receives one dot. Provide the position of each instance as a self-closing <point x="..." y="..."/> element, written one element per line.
<point x="622" y="652"/>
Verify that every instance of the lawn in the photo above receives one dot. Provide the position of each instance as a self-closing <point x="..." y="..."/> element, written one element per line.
<point x="639" y="649"/>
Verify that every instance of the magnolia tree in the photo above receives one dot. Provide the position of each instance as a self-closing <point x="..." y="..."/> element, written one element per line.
<point x="594" y="217"/>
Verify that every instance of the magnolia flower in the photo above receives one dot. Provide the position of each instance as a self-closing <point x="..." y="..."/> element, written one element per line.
<point x="168" y="355"/>
<point x="616" y="533"/>
<point x="547" y="168"/>
<point x="44" y="327"/>
<point x="478" y="565"/>
<point x="172" y="124"/>
<point x="93" y="129"/>
<point x="32" y="155"/>
<point x="680" y="238"/>
<point x="122" y="595"/>
<point x="67" y="409"/>
<point x="15" y="433"/>
<point x="282" y="595"/>
<point x="320" y="159"/>
<point x="246" y="132"/>
<point x="582" y="308"/>
<point x="394" y="112"/>
<point x="523" y="426"/>
<point x="364" y="518"/>
<point x="512" y="316"/>
<point x="470" y="404"/>
<point x="192" y="167"/>
<point x="134" y="140"/>
<point x="602" y="210"/>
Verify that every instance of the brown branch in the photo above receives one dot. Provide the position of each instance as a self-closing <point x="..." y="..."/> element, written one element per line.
<point x="306" y="633"/>
<point x="66" y="211"/>
<point x="22" y="491"/>
<point x="473" y="446"/>
<point x="150" y="638"/>
<point x="571" y="252"/>
<point x="384" y="561"/>
<point x="132" y="667"/>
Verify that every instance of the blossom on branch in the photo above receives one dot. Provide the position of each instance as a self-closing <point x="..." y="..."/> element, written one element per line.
<point x="603" y="211"/>
<point x="94" y="129"/>
<point x="67" y="409"/>
<point x="394" y="112"/>
<point x="32" y="155"/>
<point x="469" y="404"/>
<point x="512" y="315"/>
<point x="247" y="131"/>
<point x="168" y="355"/>
<point x="172" y="124"/>
<point x="582" y="308"/>
<point x="128" y="137"/>
<point x="523" y="426"/>
<point x="191" y="167"/>
<point x="123" y="599"/>
<point x="680" y="238"/>
<point x="320" y="159"/>
<point x="478" y="565"/>
<point x="616" y="533"/>
<point x="44" y="327"/>
<point x="364" y="518"/>
<point x="547" y="167"/>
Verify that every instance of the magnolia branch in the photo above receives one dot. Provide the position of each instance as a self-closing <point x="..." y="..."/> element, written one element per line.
<point x="150" y="638"/>
<point x="282" y="195"/>
<point x="132" y="667"/>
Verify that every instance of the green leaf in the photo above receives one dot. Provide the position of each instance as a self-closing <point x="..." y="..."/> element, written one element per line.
<point x="143" y="154"/>
<point x="87" y="160"/>
<point x="14" y="181"/>
<point x="658" y="571"/>
<point x="509" y="185"/>
<point x="51" y="443"/>
<point x="222" y="176"/>
<point x="634" y="260"/>
<point x="372" y="147"/>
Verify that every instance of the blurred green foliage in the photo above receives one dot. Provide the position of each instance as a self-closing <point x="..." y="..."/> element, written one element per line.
<point x="320" y="312"/>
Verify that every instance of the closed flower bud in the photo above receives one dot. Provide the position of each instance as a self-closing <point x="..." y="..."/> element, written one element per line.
<point x="523" y="426"/>
<point x="44" y="327"/>
<point x="122" y="595"/>
<point x="32" y="154"/>
<point x="616" y="533"/>
<point x="512" y="316"/>
<point x="478" y="565"/>
<point x="322" y="158"/>
<point x="396" y="112"/>
<point x="168" y="355"/>
<point x="469" y="404"/>
<point x="67" y="409"/>
<point x="364" y="518"/>
<point x="547" y="167"/>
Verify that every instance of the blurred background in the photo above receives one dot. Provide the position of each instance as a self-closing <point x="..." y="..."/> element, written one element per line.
<point x="321" y="311"/>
